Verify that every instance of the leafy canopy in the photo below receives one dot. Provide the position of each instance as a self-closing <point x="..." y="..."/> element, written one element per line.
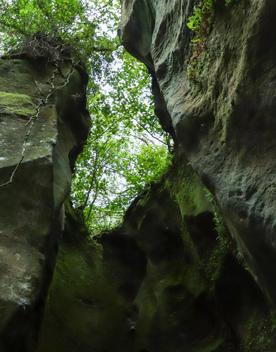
<point x="126" y="148"/>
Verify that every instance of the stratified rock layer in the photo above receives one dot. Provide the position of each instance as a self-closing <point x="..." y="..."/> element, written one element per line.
<point x="41" y="121"/>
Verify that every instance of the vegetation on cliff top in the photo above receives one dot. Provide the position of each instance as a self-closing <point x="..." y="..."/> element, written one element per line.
<point x="126" y="148"/>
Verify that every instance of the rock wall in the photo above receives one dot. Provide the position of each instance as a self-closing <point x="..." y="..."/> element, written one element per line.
<point x="168" y="279"/>
<point x="191" y="268"/>
<point x="42" y="128"/>
<point x="220" y="95"/>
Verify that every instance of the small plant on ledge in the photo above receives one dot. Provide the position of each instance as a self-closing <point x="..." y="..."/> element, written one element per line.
<point x="200" y="23"/>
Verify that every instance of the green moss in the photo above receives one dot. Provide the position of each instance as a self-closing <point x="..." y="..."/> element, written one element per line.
<point x="16" y="104"/>
<point x="259" y="332"/>
<point x="83" y="308"/>
<point x="212" y="266"/>
<point x="210" y="346"/>
<point x="187" y="190"/>
<point x="201" y="20"/>
<point x="86" y="310"/>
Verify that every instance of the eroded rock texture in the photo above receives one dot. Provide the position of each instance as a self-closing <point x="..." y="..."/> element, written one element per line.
<point x="40" y="119"/>
<point x="221" y="101"/>
<point x="173" y="277"/>
<point x="169" y="279"/>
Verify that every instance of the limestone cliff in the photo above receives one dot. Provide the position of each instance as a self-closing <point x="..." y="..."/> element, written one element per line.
<point x="42" y="128"/>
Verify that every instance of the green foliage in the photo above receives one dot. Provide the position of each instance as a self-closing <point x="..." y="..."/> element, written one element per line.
<point x="200" y="23"/>
<point x="21" y="19"/>
<point x="126" y="148"/>
<point x="201" y="19"/>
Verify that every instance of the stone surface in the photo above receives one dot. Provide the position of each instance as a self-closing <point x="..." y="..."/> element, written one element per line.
<point x="84" y="311"/>
<point x="221" y="100"/>
<point x="31" y="204"/>
<point x="192" y="266"/>
<point x="167" y="280"/>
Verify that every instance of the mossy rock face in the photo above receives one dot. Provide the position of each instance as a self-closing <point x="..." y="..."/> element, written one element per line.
<point x="173" y="277"/>
<point x="32" y="191"/>
<point x="17" y="104"/>
<point x="85" y="311"/>
<point x="161" y="282"/>
<point x="218" y="84"/>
